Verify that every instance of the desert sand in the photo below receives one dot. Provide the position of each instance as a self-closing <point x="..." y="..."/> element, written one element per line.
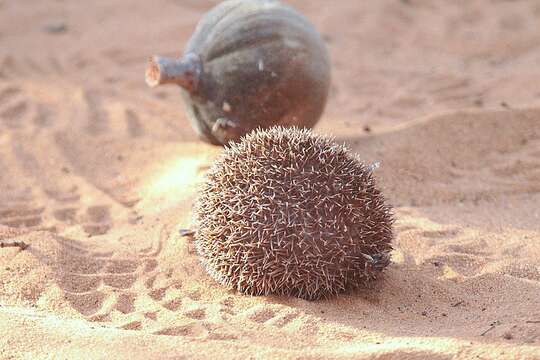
<point x="98" y="174"/>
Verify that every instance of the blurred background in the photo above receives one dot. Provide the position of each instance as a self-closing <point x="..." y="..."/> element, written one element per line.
<point x="72" y="82"/>
<point x="393" y="60"/>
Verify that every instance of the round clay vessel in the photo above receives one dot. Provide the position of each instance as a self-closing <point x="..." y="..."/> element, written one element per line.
<point x="249" y="64"/>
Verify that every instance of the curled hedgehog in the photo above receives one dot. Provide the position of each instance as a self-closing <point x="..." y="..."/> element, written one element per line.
<point x="288" y="212"/>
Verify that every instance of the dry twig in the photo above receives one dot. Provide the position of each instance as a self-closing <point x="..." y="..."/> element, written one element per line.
<point x="20" y="244"/>
<point x="491" y="327"/>
<point x="186" y="232"/>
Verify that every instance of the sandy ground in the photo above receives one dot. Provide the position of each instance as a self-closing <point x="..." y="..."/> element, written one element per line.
<point x="98" y="174"/>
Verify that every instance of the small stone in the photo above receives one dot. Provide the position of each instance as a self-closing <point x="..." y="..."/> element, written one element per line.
<point x="508" y="336"/>
<point x="55" y="28"/>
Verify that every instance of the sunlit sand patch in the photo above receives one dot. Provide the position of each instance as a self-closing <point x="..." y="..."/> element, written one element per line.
<point x="451" y="274"/>
<point x="176" y="179"/>
<point x="398" y="257"/>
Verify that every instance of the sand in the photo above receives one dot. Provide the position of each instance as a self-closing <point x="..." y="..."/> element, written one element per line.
<point x="98" y="174"/>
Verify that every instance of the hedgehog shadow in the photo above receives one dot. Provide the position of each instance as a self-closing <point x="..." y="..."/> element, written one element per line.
<point x="401" y="289"/>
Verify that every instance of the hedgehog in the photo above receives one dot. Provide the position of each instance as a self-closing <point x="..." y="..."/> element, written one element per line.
<point x="288" y="212"/>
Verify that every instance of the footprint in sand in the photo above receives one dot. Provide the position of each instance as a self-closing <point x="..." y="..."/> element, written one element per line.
<point x="13" y="113"/>
<point x="97" y="220"/>
<point x="21" y="217"/>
